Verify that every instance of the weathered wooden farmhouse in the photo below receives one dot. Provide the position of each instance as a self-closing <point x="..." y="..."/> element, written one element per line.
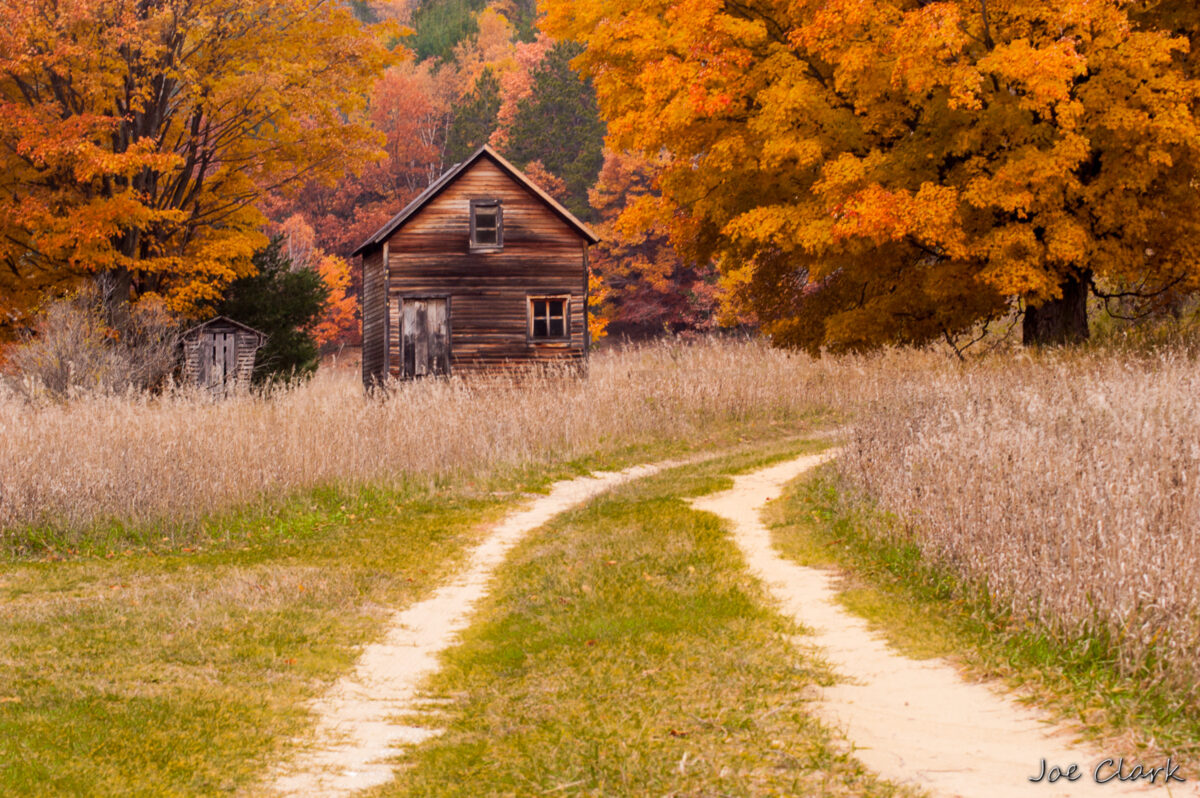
<point x="219" y="354"/>
<point x="483" y="270"/>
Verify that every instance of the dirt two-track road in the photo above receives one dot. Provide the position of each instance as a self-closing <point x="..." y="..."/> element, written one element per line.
<point x="918" y="723"/>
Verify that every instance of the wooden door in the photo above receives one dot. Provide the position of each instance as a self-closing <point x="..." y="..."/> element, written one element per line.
<point x="218" y="359"/>
<point x="424" y="337"/>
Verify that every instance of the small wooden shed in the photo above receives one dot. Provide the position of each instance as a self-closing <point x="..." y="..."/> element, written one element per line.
<point x="219" y="354"/>
<point x="483" y="270"/>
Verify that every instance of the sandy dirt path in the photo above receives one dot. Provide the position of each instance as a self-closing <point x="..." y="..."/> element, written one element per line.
<point x="913" y="722"/>
<point x="356" y="735"/>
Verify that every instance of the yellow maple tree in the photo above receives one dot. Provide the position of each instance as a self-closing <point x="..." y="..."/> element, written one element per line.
<point x="902" y="170"/>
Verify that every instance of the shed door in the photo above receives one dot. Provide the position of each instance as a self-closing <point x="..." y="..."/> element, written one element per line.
<point x="218" y="359"/>
<point x="424" y="337"/>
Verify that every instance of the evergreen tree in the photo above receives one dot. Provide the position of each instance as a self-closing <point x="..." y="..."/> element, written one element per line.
<point x="475" y="120"/>
<point x="559" y="125"/>
<point x="523" y="14"/>
<point x="284" y="303"/>
<point x="441" y="24"/>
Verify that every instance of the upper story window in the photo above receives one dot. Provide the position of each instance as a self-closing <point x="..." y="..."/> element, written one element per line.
<point x="487" y="224"/>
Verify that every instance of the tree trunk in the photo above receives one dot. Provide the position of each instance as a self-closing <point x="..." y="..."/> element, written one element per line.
<point x="115" y="287"/>
<point x="1059" y="321"/>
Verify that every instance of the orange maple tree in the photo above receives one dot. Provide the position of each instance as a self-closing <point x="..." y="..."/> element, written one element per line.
<point x="137" y="139"/>
<point x="902" y="170"/>
<point x="339" y="323"/>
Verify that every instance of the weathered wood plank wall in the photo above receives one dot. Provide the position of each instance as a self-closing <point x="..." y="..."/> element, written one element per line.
<point x="373" y="309"/>
<point x="430" y="256"/>
<point x="237" y="350"/>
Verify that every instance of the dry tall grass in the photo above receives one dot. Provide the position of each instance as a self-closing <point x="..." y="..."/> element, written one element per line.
<point x="1069" y="484"/>
<point x="179" y="457"/>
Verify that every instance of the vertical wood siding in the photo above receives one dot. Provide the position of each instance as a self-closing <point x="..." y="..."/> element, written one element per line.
<point x="237" y="349"/>
<point x="424" y="338"/>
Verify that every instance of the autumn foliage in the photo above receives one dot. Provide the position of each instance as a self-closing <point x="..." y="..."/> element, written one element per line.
<point x="338" y="322"/>
<point x="860" y="173"/>
<point x="898" y="171"/>
<point x="137" y="139"/>
<point x="409" y="109"/>
<point x="641" y="286"/>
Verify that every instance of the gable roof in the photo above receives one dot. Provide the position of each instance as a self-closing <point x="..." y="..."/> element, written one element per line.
<point x="226" y="320"/>
<point x="450" y="175"/>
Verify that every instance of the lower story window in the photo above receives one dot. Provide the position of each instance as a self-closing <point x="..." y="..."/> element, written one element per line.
<point x="548" y="317"/>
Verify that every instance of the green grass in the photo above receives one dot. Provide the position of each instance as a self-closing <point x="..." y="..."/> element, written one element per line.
<point x="176" y="659"/>
<point x="925" y="610"/>
<point x="179" y="673"/>
<point x="624" y="650"/>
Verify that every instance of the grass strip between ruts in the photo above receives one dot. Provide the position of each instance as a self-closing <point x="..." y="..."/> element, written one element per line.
<point x="624" y="650"/>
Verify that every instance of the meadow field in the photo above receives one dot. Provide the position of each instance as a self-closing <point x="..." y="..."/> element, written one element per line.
<point x="1059" y="488"/>
<point x="617" y="576"/>
<point x="1067" y="484"/>
<point x="100" y="461"/>
<point x="1066" y="481"/>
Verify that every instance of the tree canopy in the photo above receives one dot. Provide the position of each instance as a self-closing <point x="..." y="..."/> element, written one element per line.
<point x="643" y="288"/>
<point x="902" y="170"/>
<point x="559" y="124"/>
<point x="441" y="24"/>
<point x="136" y="139"/>
<point x="475" y="118"/>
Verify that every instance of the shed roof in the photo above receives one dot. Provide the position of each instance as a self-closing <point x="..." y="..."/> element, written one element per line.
<point x="436" y="187"/>
<point x="226" y="320"/>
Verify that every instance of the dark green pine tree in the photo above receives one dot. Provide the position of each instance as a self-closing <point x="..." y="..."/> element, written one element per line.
<point x="441" y="24"/>
<point x="475" y="121"/>
<point x="523" y="14"/>
<point x="283" y="303"/>
<point x="559" y="124"/>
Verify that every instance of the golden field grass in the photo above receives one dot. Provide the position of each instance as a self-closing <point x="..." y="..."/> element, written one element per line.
<point x="1069" y="485"/>
<point x="257" y="540"/>
<point x="139" y="461"/>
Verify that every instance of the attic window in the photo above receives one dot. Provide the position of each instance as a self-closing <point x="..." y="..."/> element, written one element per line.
<point x="548" y="317"/>
<point x="487" y="224"/>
